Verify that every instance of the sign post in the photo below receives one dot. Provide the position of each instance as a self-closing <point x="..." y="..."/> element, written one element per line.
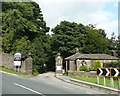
<point x="112" y="82"/>
<point x="104" y="81"/>
<point x="17" y="61"/>
<point x="97" y="80"/>
<point x="119" y="83"/>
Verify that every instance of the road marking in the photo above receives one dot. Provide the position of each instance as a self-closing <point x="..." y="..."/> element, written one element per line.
<point x="28" y="89"/>
<point x="68" y="87"/>
<point x="89" y="93"/>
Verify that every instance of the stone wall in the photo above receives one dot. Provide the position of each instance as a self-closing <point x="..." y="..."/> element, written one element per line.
<point x="82" y="73"/>
<point x="7" y="60"/>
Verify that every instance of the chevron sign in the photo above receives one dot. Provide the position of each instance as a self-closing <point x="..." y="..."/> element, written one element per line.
<point x="115" y="72"/>
<point x="112" y="72"/>
<point x="103" y="72"/>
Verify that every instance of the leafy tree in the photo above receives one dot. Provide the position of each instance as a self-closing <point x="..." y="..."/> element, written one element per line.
<point x="69" y="35"/>
<point x="95" y="41"/>
<point x="118" y="46"/>
<point x="24" y="30"/>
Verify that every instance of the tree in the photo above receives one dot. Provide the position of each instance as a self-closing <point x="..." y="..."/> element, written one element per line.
<point x="24" y="30"/>
<point x="69" y="35"/>
<point x="118" y="46"/>
<point x="95" y="41"/>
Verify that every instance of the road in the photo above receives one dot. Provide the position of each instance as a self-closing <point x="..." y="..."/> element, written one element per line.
<point x="41" y="85"/>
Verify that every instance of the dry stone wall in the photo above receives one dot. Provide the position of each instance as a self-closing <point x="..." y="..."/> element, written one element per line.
<point x="6" y="60"/>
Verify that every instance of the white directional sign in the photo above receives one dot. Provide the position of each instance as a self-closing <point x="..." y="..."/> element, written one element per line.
<point x="17" y="63"/>
<point x="103" y="72"/>
<point x="115" y="72"/>
<point x="112" y="72"/>
<point x="108" y="72"/>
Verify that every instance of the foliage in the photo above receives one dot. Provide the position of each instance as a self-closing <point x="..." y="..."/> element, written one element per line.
<point x="115" y="64"/>
<point x="118" y="47"/>
<point x="24" y="30"/>
<point x="96" y="64"/>
<point x="69" y="35"/>
<point x="83" y="68"/>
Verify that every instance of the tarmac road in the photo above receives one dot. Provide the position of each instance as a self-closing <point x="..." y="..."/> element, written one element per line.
<point x="42" y="85"/>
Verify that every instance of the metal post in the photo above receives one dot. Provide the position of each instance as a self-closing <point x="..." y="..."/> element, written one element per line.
<point x="104" y="81"/>
<point x="18" y="69"/>
<point x="119" y="86"/>
<point x="66" y="66"/>
<point x="15" y="69"/>
<point x="112" y="82"/>
<point x="97" y="80"/>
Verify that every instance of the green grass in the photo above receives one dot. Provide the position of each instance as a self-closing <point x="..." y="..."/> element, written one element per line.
<point x="94" y="80"/>
<point x="65" y="74"/>
<point x="12" y="72"/>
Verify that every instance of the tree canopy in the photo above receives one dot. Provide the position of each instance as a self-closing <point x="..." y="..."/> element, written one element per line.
<point x="69" y="35"/>
<point x="24" y="30"/>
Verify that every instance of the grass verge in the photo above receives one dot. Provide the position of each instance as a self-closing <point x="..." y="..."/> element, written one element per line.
<point x="94" y="80"/>
<point x="12" y="72"/>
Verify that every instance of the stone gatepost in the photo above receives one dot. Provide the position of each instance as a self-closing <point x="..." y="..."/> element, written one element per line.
<point x="58" y="65"/>
<point x="28" y="64"/>
<point x="72" y="65"/>
<point x="78" y="64"/>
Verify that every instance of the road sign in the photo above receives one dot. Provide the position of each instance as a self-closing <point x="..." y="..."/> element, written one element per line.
<point x="115" y="72"/>
<point x="17" y="63"/>
<point x="103" y="72"/>
<point x="112" y="72"/>
<point x="17" y="55"/>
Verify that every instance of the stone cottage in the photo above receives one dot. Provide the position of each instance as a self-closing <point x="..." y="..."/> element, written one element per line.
<point x="76" y="60"/>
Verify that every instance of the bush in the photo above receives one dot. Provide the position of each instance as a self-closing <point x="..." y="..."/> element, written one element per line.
<point x="115" y="64"/>
<point x="83" y="68"/>
<point x="97" y="64"/>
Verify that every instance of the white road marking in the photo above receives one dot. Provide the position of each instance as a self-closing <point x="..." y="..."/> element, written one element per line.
<point x="68" y="87"/>
<point x="28" y="89"/>
<point x="89" y="93"/>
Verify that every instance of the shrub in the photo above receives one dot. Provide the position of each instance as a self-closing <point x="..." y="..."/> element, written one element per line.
<point x="83" y="68"/>
<point x="113" y="64"/>
<point x="97" y="64"/>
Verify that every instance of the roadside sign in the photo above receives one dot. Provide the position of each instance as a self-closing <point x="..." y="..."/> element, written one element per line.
<point x="17" y="55"/>
<point x="103" y="72"/>
<point x="17" y="63"/>
<point x="110" y="72"/>
<point x="115" y="72"/>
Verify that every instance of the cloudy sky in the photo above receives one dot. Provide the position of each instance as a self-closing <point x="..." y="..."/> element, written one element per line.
<point x="103" y="13"/>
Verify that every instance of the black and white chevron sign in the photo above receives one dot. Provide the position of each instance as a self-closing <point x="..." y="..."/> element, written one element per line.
<point x="103" y="72"/>
<point x="115" y="72"/>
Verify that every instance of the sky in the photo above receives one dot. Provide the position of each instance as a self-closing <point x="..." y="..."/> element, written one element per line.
<point x="101" y="13"/>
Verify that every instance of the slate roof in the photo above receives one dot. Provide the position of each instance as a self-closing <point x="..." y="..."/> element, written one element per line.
<point x="91" y="56"/>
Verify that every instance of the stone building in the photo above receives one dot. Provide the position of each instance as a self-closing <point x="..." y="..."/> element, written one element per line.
<point x="76" y="60"/>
